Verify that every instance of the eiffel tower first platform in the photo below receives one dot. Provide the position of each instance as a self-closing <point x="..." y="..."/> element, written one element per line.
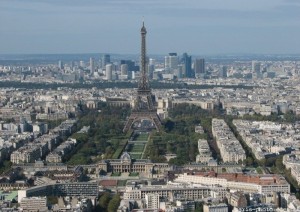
<point x="144" y="107"/>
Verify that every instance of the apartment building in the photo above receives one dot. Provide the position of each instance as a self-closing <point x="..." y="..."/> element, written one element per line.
<point x="263" y="184"/>
<point x="230" y="148"/>
<point x="34" y="204"/>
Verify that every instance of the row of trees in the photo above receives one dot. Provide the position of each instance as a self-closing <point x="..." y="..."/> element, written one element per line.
<point x="274" y="164"/>
<point x="106" y="124"/>
<point x="251" y="160"/>
<point x="103" y="85"/>
<point x="288" y="117"/>
<point x="179" y="135"/>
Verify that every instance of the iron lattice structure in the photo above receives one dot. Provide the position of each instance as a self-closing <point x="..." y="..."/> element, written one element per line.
<point x="144" y="107"/>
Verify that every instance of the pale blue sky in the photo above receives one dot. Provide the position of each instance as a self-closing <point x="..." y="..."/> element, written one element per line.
<point x="112" y="26"/>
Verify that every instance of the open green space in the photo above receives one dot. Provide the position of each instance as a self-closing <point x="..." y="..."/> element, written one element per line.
<point x="136" y="155"/>
<point x="178" y="136"/>
<point x="135" y="150"/>
<point x="140" y="137"/>
<point x="133" y="174"/>
<point x="121" y="145"/>
<point x="105" y="139"/>
<point x="121" y="182"/>
<point x="116" y="174"/>
<point x="138" y="148"/>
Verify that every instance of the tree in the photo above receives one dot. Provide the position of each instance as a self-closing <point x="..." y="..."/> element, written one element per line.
<point x="248" y="161"/>
<point x="262" y="162"/>
<point x="199" y="207"/>
<point x="104" y="201"/>
<point x="270" y="161"/>
<point x="114" y="203"/>
<point x="169" y="125"/>
<point x="279" y="165"/>
<point x="52" y="200"/>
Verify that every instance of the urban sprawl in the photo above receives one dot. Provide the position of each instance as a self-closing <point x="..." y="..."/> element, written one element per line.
<point x="64" y="147"/>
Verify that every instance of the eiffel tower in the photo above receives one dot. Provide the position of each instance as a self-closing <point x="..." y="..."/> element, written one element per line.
<point x="144" y="107"/>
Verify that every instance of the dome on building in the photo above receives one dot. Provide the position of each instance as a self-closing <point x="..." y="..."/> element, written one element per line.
<point x="125" y="157"/>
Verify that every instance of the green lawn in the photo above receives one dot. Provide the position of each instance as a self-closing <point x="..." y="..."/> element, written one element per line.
<point x="122" y="182"/>
<point x="136" y="156"/>
<point x="137" y="148"/>
<point x="116" y="174"/>
<point x="141" y="137"/>
<point x="133" y="174"/>
<point x="117" y="153"/>
<point x="119" y="150"/>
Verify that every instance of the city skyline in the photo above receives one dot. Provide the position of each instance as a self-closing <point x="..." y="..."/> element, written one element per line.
<point x="227" y="132"/>
<point x="199" y="27"/>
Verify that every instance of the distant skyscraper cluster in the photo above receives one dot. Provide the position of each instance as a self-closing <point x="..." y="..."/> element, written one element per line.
<point x="184" y="67"/>
<point x="170" y="67"/>
<point x="60" y="65"/>
<point x="199" y="67"/>
<point x="108" y="71"/>
<point x="256" y="72"/>
<point x="171" y="62"/>
<point x="187" y="65"/>
<point x="105" y="60"/>
<point x="92" y="65"/>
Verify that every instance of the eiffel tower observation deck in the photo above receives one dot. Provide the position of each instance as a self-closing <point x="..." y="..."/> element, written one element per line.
<point x="144" y="107"/>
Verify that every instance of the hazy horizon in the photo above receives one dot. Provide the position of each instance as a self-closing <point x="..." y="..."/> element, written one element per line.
<point x="207" y="27"/>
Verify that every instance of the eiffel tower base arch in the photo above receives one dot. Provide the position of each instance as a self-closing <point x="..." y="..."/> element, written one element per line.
<point x="138" y="116"/>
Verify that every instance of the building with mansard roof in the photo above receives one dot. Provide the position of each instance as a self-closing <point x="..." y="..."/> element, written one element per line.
<point x="127" y="164"/>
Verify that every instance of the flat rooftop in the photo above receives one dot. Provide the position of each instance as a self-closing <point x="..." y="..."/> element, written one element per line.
<point x="268" y="179"/>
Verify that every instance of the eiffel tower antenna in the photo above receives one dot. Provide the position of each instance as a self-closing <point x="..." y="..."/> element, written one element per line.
<point x="144" y="107"/>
